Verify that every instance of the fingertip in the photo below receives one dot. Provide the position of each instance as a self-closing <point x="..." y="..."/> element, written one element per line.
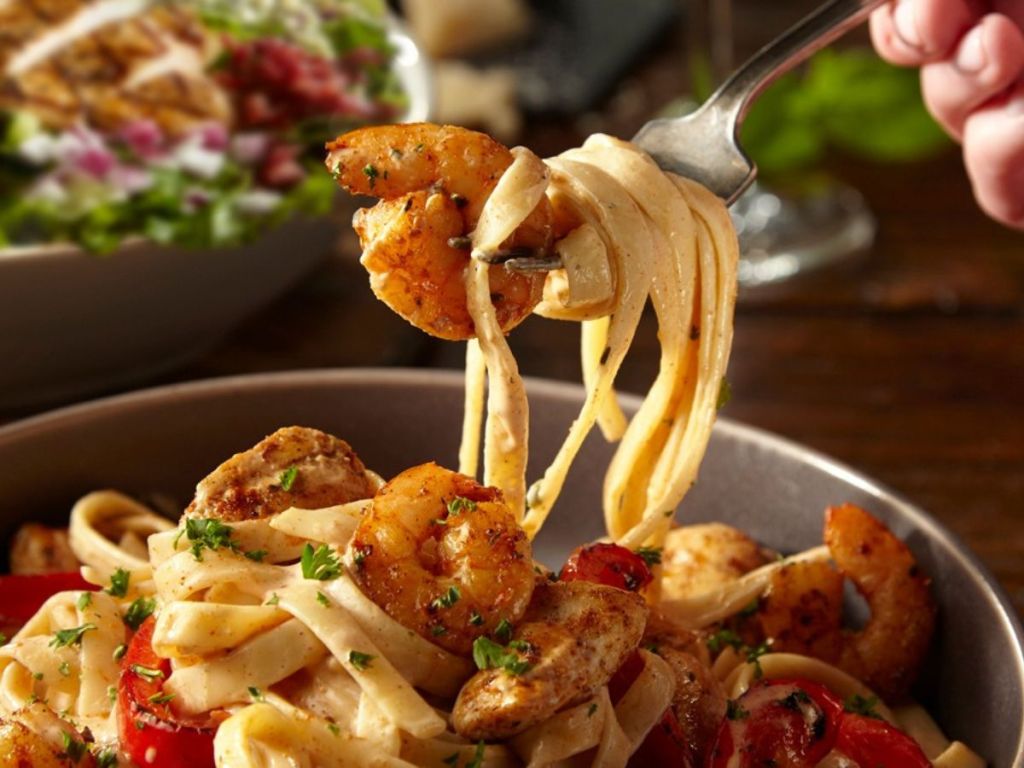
<point x="888" y="42"/>
<point x="994" y="157"/>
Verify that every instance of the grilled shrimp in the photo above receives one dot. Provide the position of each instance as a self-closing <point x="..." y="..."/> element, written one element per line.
<point x="697" y="558"/>
<point x="574" y="636"/>
<point x="886" y="654"/>
<point x="433" y="182"/>
<point x="803" y="609"/>
<point x="443" y="556"/>
<point x="294" y="467"/>
<point x="39" y="549"/>
<point x="699" y="702"/>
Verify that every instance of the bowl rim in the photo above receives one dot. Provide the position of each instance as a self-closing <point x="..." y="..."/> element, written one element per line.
<point x="71" y="415"/>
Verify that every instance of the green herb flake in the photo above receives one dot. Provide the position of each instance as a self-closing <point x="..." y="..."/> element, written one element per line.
<point x="288" y="478"/>
<point x="256" y="555"/>
<point x="650" y="555"/>
<point x="211" y="534"/>
<point x="64" y="669"/>
<point x="256" y="693"/>
<point x="322" y="599"/>
<point x="160" y="698"/>
<point x="724" y="638"/>
<point x="724" y="394"/>
<point x="504" y="630"/>
<point x="112" y="693"/>
<point x="478" y="756"/>
<point x="754" y="657"/>
<point x="120" y="651"/>
<point x="119" y="580"/>
<point x="151" y="675"/>
<point x="360" y="660"/>
<point x="487" y="654"/>
<point x="37" y="675"/>
<point x="106" y="759"/>
<point x="320" y="564"/>
<point x="370" y="171"/>
<point x="592" y="709"/>
<point x="67" y="637"/>
<point x="734" y="711"/>
<point x="750" y="608"/>
<point x="274" y="599"/>
<point x="74" y="749"/>
<point x="84" y="601"/>
<point x="140" y="610"/>
<point x="3" y="639"/>
<point x="861" y="705"/>
<point x="447" y="600"/>
<point x="360" y="553"/>
<point x="437" y="630"/>
<point x="334" y="729"/>
<point x="452" y="759"/>
<point x="461" y="504"/>
<point x="476" y="619"/>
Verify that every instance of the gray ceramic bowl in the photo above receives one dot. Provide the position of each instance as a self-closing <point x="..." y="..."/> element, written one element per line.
<point x="164" y="440"/>
<point x="73" y="323"/>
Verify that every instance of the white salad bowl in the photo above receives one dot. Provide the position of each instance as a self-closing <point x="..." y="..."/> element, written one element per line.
<point x="163" y="441"/>
<point x="74" y="323"/>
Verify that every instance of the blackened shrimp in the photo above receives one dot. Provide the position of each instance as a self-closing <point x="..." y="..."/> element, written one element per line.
<point x="433" y="182"/>
<point x="443" y="556"/>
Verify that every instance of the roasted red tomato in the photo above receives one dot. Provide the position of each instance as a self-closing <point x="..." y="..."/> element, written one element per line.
<point x="875" y="743"/>
<point x="151" y="734"/>
<point x="778" y="722"/>
<point x="22" y="596"/>
<point x="607" y="564"/>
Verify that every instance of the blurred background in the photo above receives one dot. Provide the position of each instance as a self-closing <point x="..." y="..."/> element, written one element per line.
<point x="882" y="315"/>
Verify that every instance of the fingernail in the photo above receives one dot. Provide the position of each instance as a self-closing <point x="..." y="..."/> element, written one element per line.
<point x="905" y="19"/>
<point x="970" y="55"/>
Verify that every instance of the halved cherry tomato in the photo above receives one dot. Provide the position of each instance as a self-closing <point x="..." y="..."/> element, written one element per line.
<point x="151" y="733"/>
<point x="22" y="596"/>
<point x="607" y="564"/>
<point x="874" y="743"/>
<point x="778" y="722"/>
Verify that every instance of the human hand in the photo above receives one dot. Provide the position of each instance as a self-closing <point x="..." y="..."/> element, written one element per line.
<point x="971" y="54"/>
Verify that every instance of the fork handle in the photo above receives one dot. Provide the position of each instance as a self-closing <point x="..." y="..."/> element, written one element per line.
<point x="808" y="36"/>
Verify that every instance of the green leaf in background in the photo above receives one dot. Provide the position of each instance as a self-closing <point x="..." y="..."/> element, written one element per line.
<point x="850" y="100"/>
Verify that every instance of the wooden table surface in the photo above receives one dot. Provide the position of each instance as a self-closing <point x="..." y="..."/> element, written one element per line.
<point x="907" y="363"/>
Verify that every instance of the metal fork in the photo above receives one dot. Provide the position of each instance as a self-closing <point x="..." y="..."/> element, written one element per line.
<point x="704" y="145"/>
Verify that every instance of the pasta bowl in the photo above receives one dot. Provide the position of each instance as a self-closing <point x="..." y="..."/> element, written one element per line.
<point x="163" y="441"/>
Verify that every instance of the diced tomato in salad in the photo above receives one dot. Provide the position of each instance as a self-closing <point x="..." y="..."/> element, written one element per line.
<point x="151" y="733"/>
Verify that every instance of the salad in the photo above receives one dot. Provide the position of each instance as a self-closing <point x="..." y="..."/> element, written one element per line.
<point x="198" y="123"/>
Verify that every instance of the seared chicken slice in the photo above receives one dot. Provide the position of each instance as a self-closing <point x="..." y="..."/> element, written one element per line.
<point x="574" y="636"/>
<point x="41" y="745"/>
<point x="294" y="467"/>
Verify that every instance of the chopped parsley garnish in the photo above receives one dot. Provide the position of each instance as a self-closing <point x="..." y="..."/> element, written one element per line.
<point x="37" y="675"/>
<point x="106" y="759"/>
<point x="160" y="698"/>
<point x="754" y="657"/>
<point x="145" y="672"/>
<point x="274" y="599"/>
<point x="334" y="729"/>
<point x="64" y="668"/>
<point x="322" y="599"/>
<point x="723" y="638"/>
<point x="487" y="654"/>
<point x="3" y="639"/>
<point x="212" y="534"/>
<point x="84" y="600"/>
<point x="724" y="394"/>
<point x="653" y="648"/>
<point x="734" y="711"/>
<point x="860" y="705"/>
<point x="476" y="619"/>
<point x="120" y="651"/>
<point x="461" y="504"/>
<point x="452" y="759"/>
<point x="288" y="478"/>
<point x="437" y="630"/>
<point x="478" y="756"/>
<point x="750" y="608"/>
<point x="112" y="693"/>
<point x="256" y="693"/>
<point x="359" y="660"/>
<point x="74" y="749"/>
<point x="256" y="555"/>
<point x="119" y="581"/>
<point x="360" y="553"/>
<point x="67" y="637"/>
<point x="795" y="699"/>
<point x="447" y="600"/>
<point x="592" y="709"/>
<point x="140" y="610"/>
<point x="504" y="630"/>
<point x="371" y="173"/>
<point x="320" y="564"/>
<point x="650" y="555"/>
